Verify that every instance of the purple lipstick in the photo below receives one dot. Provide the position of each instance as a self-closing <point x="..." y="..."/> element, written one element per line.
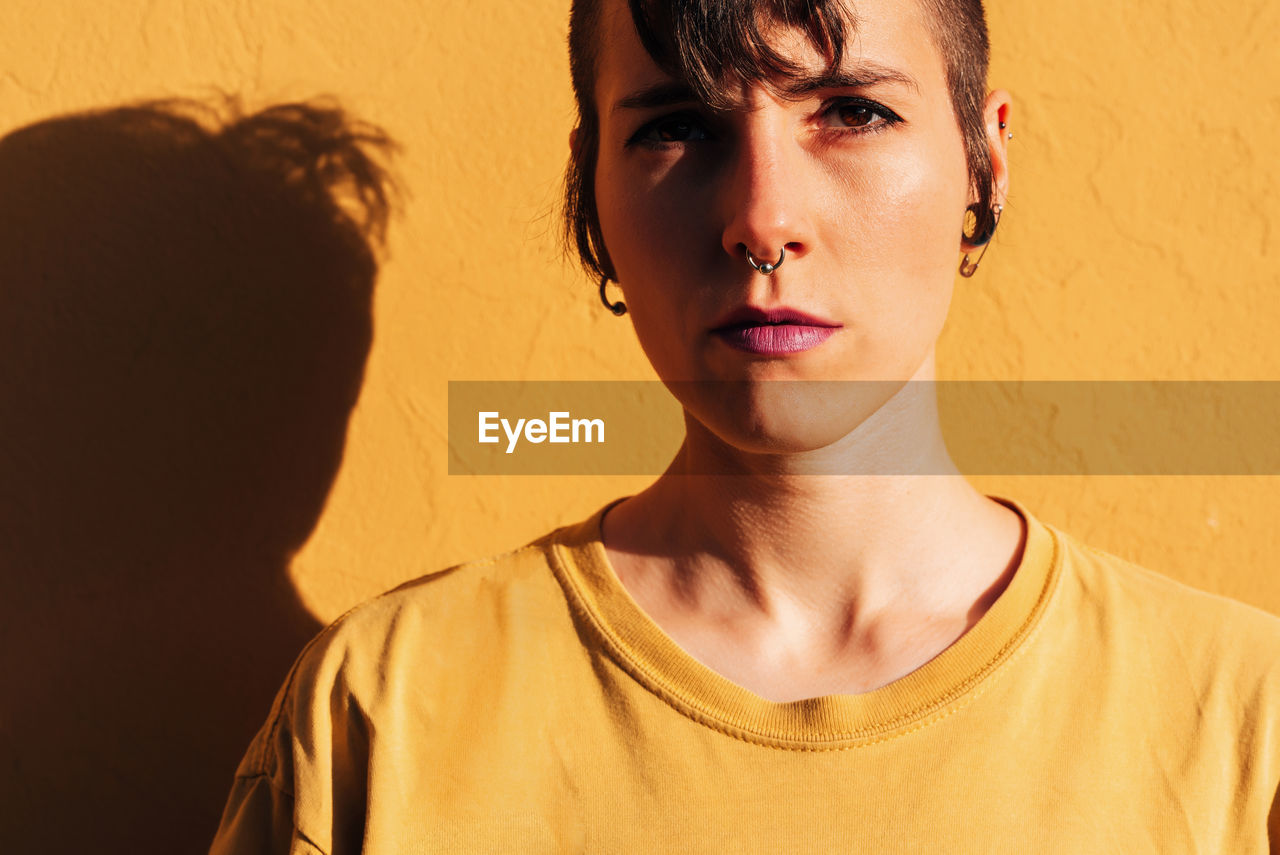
<point x="772" y="332"/>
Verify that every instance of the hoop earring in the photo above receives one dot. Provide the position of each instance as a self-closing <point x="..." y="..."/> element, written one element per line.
<point x="967" y="267"/>
<point x="618" y="308"/>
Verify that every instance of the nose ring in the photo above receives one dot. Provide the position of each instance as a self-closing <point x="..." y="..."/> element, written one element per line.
<point x="765" y="267"/>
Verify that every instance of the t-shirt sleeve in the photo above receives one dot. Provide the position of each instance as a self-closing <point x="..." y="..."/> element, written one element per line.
<point x="259" y="819"/>
<point x="300" y="789"/>
<point x="259" y="815"/>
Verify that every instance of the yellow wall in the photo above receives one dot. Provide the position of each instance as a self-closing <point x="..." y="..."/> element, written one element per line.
<point x="1141" y="241"/>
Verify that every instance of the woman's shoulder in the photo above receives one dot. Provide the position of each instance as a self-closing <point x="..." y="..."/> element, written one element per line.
<point x="421" y="652"/>
<point x="1161" y="616"/>
<point x="1108" y="574"/>
<point x="439" y="630"/>
<point x="445" y="610"/>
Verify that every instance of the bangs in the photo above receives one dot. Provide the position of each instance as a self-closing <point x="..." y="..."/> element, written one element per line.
<point x="718" y="45"/>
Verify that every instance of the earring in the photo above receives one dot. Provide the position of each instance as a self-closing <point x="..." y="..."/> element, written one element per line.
<point x="967" y="267"/>
<point x="1003" y="126"/>
<point x="618" y="308"/>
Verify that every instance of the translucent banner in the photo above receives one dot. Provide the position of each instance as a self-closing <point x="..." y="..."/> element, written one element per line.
<point x="989" y="427"/>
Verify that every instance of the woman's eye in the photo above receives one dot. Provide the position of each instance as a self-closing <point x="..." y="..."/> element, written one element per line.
<point x="856" y="115"/>
<point x="671" y="129"/>
<point x="859" y="115"/>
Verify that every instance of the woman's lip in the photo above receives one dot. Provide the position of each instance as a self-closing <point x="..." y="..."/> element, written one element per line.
<point x="754" y="316"/>
<point x="774" y="339"/>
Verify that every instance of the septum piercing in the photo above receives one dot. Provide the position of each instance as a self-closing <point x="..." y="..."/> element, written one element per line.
<point x="765" y="267"/>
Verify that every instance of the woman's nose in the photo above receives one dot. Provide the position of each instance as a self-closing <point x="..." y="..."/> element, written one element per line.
<point x="764" y="198"/>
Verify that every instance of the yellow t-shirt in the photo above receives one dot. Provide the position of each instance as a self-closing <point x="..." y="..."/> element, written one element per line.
<point x="526" y="704"/>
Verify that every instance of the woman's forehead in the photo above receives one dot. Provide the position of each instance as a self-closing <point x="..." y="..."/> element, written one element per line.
<point x="885" y="42"/>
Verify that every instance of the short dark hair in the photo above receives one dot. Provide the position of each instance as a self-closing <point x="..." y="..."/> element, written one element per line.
<point x="712" y="44"/>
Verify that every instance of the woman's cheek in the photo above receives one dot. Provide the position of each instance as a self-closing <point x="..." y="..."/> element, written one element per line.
<point x="901" y="246"/>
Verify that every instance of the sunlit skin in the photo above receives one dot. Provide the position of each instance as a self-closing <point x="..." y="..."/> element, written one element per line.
<point x="793" y="584"/>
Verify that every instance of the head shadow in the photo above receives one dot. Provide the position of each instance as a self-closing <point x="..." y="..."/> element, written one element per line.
<point x="185" y="317"/>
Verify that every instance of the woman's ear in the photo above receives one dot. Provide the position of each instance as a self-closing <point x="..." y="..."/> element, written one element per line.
<point x="997" y="118"/>
<point x="997" y="127"/>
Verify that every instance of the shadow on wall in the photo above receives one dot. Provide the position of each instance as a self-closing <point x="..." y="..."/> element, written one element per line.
<point x="185" y="315"/>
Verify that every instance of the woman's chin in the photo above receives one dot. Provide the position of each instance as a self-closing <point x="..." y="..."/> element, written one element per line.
<point x="783" y="418"/>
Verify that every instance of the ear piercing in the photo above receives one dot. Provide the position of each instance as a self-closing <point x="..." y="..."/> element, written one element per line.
<point x="967" y="267"/>
<point x="618" y="308"/>
<point x="1003" y="126"/>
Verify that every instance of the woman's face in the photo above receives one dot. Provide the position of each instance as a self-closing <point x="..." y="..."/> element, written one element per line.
<point x="862" y="178"/>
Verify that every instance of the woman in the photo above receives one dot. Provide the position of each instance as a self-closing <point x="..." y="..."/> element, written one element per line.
<point x="810" y="633"/>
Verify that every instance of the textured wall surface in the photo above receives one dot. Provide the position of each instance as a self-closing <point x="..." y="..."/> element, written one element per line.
<point x="1140" y="242"/>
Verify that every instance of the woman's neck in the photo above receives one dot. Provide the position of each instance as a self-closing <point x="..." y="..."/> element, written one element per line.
<point x="811" y="551"/>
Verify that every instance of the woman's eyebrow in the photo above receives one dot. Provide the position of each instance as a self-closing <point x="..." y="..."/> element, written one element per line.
<point x="853" y="77"/>
<point x="658" y="95"/>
